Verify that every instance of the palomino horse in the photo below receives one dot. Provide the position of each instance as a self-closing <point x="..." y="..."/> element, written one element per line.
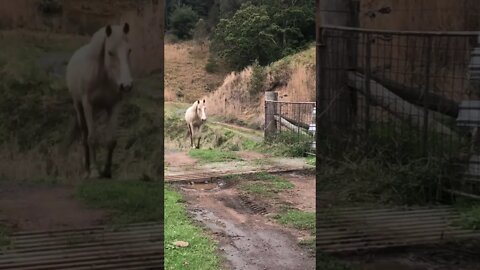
<point x="195" y="116"/>
<point x="98" y="77"/>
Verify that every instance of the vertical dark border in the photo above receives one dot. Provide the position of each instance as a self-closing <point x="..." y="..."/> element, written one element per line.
<point x="161" y="162"/>
<point x="317" y="116"/>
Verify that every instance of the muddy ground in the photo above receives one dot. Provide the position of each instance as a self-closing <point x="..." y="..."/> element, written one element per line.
<point x="247" y="235"/>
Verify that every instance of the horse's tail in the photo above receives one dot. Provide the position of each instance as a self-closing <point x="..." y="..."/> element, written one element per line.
<point x="72" y="134"/>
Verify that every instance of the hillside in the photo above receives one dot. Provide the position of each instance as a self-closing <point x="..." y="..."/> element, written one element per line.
<point x="241" y="94"/>
<point x="185" y="76"/>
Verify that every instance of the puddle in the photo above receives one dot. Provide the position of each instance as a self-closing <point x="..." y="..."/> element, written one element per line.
<point x="210" y="186"/>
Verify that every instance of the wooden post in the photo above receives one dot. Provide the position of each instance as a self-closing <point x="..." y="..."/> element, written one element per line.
<point x="336" y="55"/>
<point x="270" y="112"/>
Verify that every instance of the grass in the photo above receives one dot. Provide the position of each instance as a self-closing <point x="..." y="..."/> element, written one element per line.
<point x="326" y="262"/>
<point x="201" y="253"/>
<point x="127" y="201"/>
<point x="212" y="155"/>
<point x="297" y="219"/>
<point x="470" y="217"/>
<point x="311" y="161"/>
<point x="4" y="236"/>
<point x="266" y="184"/>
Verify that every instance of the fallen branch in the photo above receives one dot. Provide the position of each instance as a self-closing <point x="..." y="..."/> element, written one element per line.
<point x="386" y="99"/>
<point x="290" y="126"/>
<point x="434" y="102"/>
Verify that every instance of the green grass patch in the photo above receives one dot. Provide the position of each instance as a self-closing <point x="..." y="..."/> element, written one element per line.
<point x="212" y="155"/>
<point x="297" y="219"/>
<point x="326" y="262"/>
<point x="266" y="184"/>
<point x="470" y="217"/>
<point x="311" y="161"/>
<point x="4" y="236"/>
<point x="201" y="253"/>
<point x="128" y="201"/>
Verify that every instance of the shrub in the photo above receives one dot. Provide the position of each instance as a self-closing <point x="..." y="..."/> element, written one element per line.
<point x="183" y="21"/>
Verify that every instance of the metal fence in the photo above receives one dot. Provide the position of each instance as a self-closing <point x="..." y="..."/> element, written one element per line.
<point x="395" y="92"/>
<point x="289" y="121"/>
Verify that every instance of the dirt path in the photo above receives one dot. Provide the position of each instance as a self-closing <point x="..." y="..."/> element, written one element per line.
<point x="45" y="208"/>
<point x="247" y="238"/>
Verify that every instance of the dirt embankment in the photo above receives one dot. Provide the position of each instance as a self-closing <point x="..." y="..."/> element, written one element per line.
<point x="294" y="77"/>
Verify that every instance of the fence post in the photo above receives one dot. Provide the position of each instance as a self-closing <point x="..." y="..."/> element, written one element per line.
<point x="425" y="94"/>
<point x="368" y="56"/>
<point x="270" y="112"/>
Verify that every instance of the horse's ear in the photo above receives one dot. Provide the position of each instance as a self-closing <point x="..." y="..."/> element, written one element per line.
<point x="108" y="30"/>
<point x="126" y="28"/>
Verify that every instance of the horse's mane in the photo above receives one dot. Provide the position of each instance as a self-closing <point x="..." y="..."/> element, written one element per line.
<point x="96" y="46"/>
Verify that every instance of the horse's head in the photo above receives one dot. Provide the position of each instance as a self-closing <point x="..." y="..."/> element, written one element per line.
<point x="117" y="56"/>
<point x="201" y="107"/>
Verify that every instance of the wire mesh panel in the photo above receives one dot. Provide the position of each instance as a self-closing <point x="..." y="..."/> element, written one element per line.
<point x="289" y="121"/>
<point x="396" y="93"/>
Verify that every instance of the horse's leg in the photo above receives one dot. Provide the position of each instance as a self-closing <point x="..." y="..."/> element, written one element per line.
<point x="83" y="133"/>
<point x="92" y="137"/>
<point x="192" y="137"/>
<point x="112" y="141"/>
<point x="190" y="132"/>
<point x="199" y="136"/>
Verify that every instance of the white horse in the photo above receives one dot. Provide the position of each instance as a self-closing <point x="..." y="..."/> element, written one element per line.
<point x="98" y="77"/>
<point x="195" y="117"/>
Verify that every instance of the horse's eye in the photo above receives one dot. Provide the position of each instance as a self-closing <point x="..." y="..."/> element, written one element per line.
<point x="110" y="53"/>
<point x="129" y="51"/>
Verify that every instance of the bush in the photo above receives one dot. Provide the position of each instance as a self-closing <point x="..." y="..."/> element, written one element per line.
<point x="257" y="80"/>
<point x="211" y="66"/>
<point x="183" y="20"/>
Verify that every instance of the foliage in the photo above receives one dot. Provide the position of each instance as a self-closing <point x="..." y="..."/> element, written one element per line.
<point x="389" y="166"/>
<point x="212" y="65"/>
<point x="257" y="80"/>
<point x="266" y="184"/>
<point x="290" y="144"/>
<point x="264" y="30"/>
<point x="212" y="155"/>
<point x="128" y="201"/>
<point x="201" y="252"/>
<point x="200" y="31"/>
<point x="470" y="218"/>
<point x="183" y="20"/>
<point x="30" y="116"/>
<point x="297" y="219"/>
<point x="247" y="36"/>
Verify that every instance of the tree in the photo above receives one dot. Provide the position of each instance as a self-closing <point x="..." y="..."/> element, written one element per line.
<point x="200" y="32"/>
<point x="183" y="20"/>
<point x="248" y="36"/>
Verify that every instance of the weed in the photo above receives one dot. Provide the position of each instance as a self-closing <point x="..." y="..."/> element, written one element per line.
<point x="290" y="144"/>
<point x="257" y="80"/>
<point x="212" y="155"/>
<point x="4" y="236"/>
<point x="211" y="66"/>
<point x="470" y="217"/>
<point x="201" y="252"/>
<point x="326" y="262"/>
<point x="266" y="184"/>
<point x="128" y="201"/>
<point x="297" y="219"/>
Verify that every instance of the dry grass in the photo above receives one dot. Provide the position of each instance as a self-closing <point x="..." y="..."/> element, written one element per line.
<point x="232" y="98"/>
<point x="185" y="72"/>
